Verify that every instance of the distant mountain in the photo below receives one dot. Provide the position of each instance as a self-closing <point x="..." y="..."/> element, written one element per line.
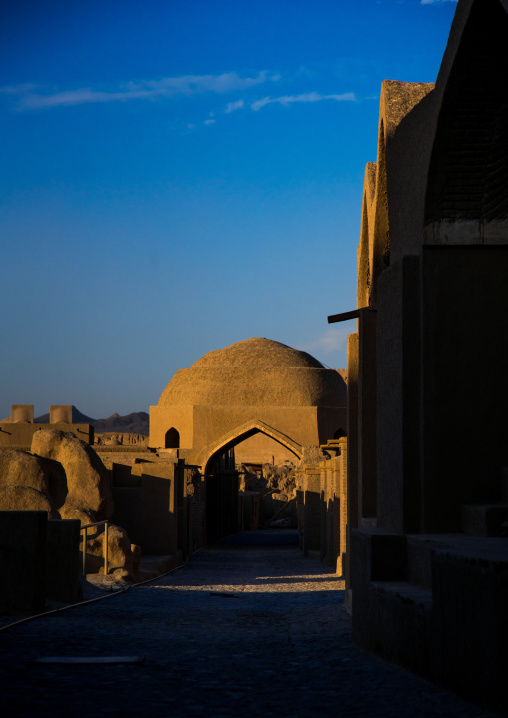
<point x="135" y="423"/>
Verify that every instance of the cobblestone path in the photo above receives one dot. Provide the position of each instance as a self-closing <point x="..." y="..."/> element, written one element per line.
<point x="242" y="630"/>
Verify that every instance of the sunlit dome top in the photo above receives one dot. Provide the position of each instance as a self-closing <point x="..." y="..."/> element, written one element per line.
<point x="258" y="352"/>
<point x="256" y="372"/>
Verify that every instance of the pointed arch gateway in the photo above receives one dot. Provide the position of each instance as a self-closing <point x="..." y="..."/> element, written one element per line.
<point x="209" y="455"/>
<point x="222" y="486"/>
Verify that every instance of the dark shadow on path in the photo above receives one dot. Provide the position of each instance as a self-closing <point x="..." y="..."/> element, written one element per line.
<point x="261" y="538"/>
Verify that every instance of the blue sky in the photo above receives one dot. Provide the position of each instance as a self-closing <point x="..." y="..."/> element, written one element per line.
<point x="180" y="175"/>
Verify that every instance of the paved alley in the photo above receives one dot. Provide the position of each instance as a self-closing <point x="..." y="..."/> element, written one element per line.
<point x="249" y="627"/>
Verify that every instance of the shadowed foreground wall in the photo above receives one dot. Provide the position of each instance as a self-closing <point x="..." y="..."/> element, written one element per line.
<point x="428" y="577"/>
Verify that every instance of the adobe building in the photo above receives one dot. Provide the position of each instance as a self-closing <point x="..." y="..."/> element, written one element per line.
<point x="427" y="573"/>
<point x="259" y="396"/>
<point x="17" y="431"/>
<point x="256" y="401"/>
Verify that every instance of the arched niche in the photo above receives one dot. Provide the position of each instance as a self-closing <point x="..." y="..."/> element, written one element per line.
<point x="172" y="439"/>
<point x="467" y="189"/>
<point x="379" y="244"/>
<point x="365" y="245"/>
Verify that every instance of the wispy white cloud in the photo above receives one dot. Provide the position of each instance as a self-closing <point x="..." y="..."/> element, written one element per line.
<point x="233" y="106"/>
<point x="286" y="100"/>
<point x="333" y="340"/>
<point x="32" y="97"/>
<point x="210" y="122"/>
<point x="435" y="2"/>
<point x="18" y="89"/>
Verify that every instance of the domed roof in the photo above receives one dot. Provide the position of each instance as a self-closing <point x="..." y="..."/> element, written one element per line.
<point x="258" y="352"/>
<point x="255" y="372"/>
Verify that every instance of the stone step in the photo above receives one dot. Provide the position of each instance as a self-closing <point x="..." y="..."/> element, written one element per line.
<point x="422" y="547"/>
<point x="404" y="630"/>
<point x="419" y="557"/>
<point x="406" y="593"/>
<point x="485" y="520"/>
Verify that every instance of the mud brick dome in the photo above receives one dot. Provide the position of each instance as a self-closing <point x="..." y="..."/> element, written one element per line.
<point x="256" y="372"/>
<point x="255" y="382"/>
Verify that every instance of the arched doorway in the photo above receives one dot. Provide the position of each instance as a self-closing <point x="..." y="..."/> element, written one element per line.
<point x="222" y="478"/>
<point x="209" y="456"/>
<point x="172" y="439"/>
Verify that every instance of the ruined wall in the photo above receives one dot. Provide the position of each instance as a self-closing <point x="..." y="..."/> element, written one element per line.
<point x="321" y="480"/>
